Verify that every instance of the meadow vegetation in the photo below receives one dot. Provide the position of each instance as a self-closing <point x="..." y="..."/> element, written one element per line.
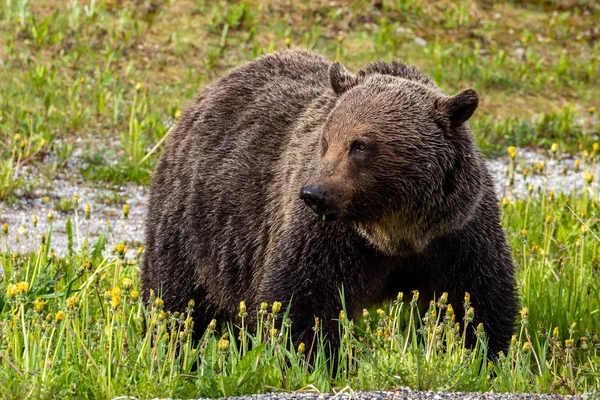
<point x="89" y="90"/>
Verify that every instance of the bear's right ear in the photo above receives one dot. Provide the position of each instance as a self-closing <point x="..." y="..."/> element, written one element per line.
<point x="458" y="108"/>
<point x="341" y="80"/>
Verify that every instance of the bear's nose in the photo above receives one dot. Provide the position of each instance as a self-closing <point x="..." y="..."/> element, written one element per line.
<point x="314" y="197"/>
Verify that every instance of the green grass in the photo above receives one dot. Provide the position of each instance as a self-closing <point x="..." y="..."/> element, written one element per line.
<point x="107" y="79"/>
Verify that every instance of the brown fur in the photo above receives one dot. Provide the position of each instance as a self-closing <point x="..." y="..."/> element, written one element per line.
<point x="406" y="197"/>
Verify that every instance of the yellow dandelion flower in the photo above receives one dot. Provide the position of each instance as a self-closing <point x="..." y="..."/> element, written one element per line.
<point x="177" y="114"/>
<point x="138" y="86"/>
<point x="512" y="151"/>
<point x="11" y="290"/>
<point x="505" y="201"/>
<point x="554" y="148"/>
<point x="126" y="211"/>
<point x="23" y="287"/>
<point x="242" y="307"/>
<point x="592" y="110"/>
<point x="288" y="41"/>
<point x="5" y="228"/>
<point x="60" y="316"/>
<point x="526" y="347"/>
<point x="72" y="302"/>
<point x="134" y="295"/>
<point x="301" y="348"/>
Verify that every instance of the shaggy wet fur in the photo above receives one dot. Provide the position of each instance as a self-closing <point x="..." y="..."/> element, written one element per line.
<point x="415" y="209"/>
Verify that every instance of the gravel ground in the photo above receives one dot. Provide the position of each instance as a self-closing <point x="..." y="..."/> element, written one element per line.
<point x="107" y="204"/>
<point x="405" y="394"/>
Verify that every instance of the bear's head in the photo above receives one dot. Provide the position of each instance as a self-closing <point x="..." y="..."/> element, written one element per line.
<point x="396" y="160"/>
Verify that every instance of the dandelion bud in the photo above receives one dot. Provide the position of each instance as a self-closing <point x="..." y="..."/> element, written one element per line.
<point x="316" y="323"/>
<point x="540" y="166"/>
<point x="161" y="316"/>
<point x="126" y="211"/>
<point x="342" y="315"/>
<point x="177" y="114"/>
<point x="51" y="216"/>
<point x="273" y="332"/>
<point x="213" y="325"/>
<point x="470" y="313"/>
<point x="548" y="219"/>
<point x="263" y="307"/>
<point x="467" y="297"/>
<point x="159" y="303"/>
<point x="512" y="151"/>
<point x="365" y="313"/>
<point x="138" y="87"/>
<point x="569" y="343"/>
<point x="191" y="303"/>
<point x="11" y="290"/>
<point x="583" y="343"/>
<point x="530" y="188"/>
<point x="505" y="201"/>
<point x="288" y="41"/>
<point x="223" y="345"/>
<point x="276" y="307"/>
<point x="565" y="170"/>
<point x="242" y="307"/>
<point x="577" y="163"/>
<point x="35" y="221"/>
<point x="60" y="316"/>
<point x="450" y="311"/>
<point x="592" y="110"/>
<point x="415" y="295"/>
<point x="524" y="312"/>
<point x="524" y="232"/>
<point x="443" y="298"/>
<point x="526" y="347"/>
<point x="589" y="177"/>
<point x="88" y="211"/>
<point x="301" y="348"/>
<point x="134" y="295"/>
<point x="554" y="148"/>
<point x="5" y="228"/>
<point x="555" y="332"/>
<point x="480" y="329"/>
<point x="76" y="198"/>
<point x="380" y="312"/>
<point x="39" y="305"/>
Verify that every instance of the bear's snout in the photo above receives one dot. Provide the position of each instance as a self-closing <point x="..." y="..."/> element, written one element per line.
<point x="315" y="197"/>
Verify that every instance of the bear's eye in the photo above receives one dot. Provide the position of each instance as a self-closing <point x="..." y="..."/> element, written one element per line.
<point x="359" y="146"/>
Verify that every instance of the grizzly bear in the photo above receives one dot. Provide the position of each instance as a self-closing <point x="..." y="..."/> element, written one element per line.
<point x="291" y="177"/>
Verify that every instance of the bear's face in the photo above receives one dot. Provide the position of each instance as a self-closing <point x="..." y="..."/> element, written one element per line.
<point x="385" y="153"/>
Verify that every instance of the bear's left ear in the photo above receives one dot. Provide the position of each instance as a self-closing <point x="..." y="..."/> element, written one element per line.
<point x="458" y="108"/>
<point x="341" y="80"/>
